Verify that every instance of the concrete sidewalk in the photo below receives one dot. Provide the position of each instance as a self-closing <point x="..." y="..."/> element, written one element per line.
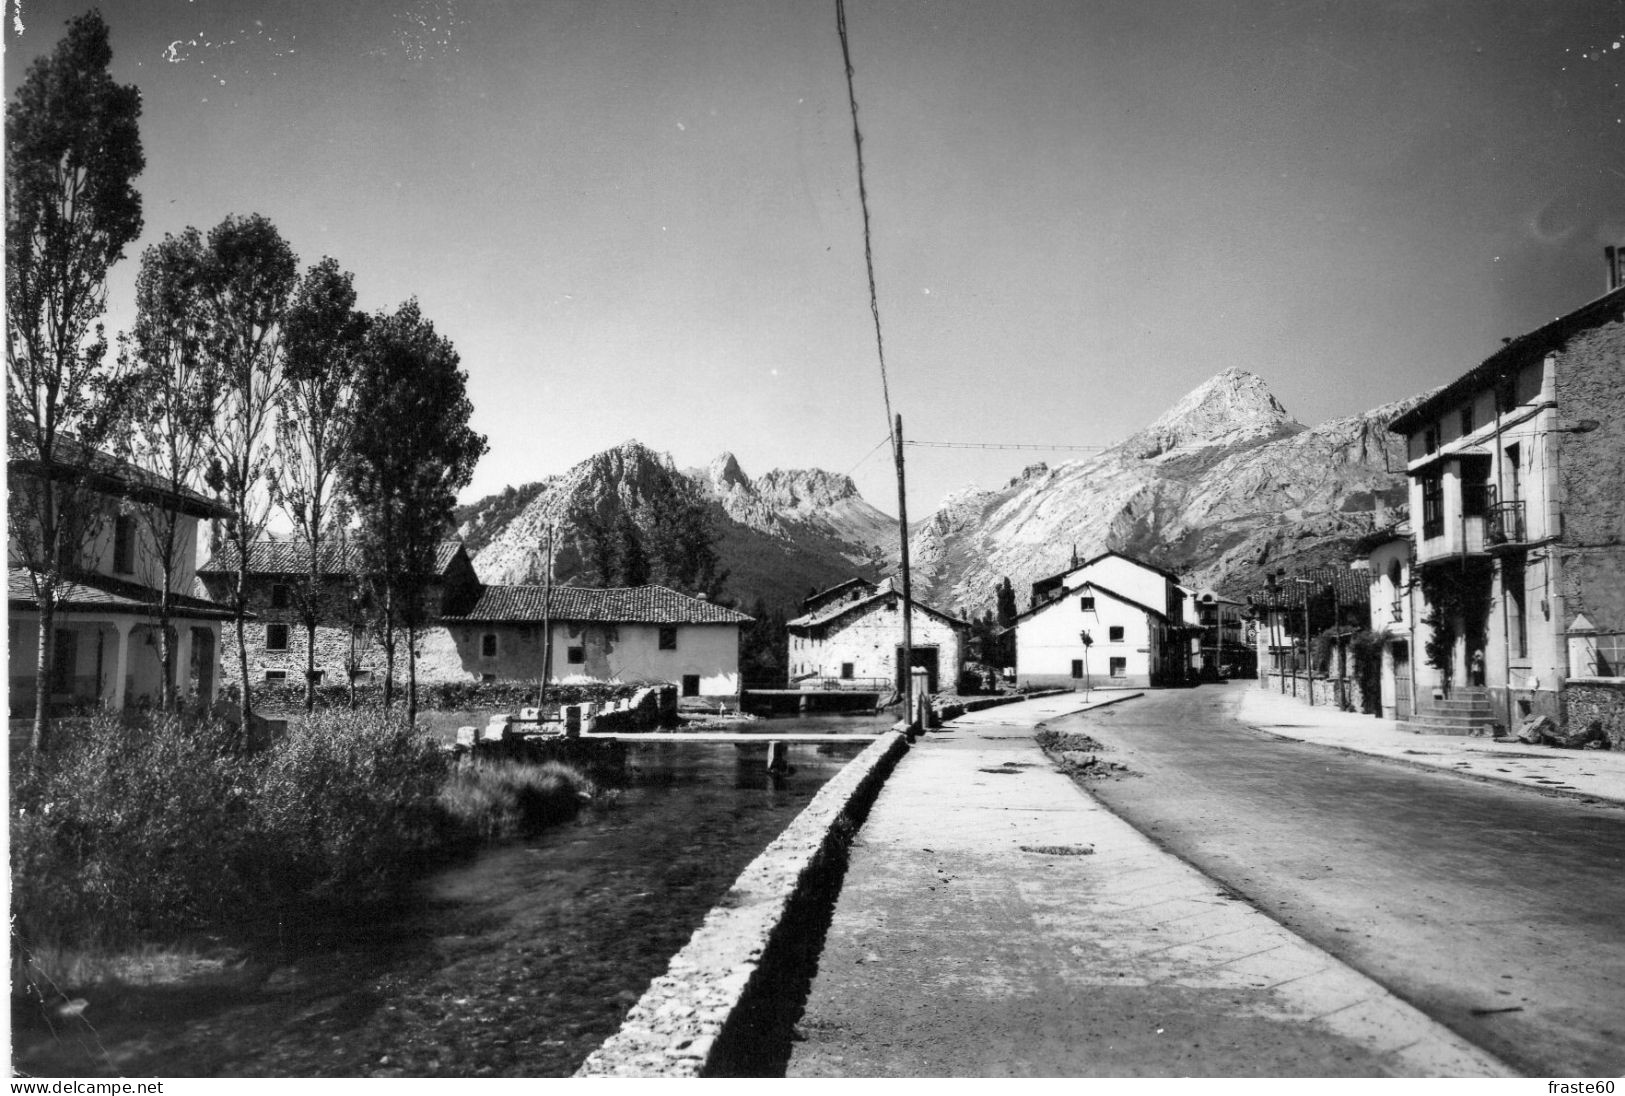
<point x="996" y="921"/>
<point x="1588" y="774"/>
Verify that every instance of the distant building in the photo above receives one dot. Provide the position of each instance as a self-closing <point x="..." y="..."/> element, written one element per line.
<point x="1089" y="634"/>
<point x="853" y="632"/>
<point x="1518" y="526"/>
<point x="1388" y="571"/>
<point x="1154" y="650"/>
<point x="1220" y="645"/>
<point x="105" y="650"/>
<point x="1294" y="611"/>
<point x="479" y="633"/>
<point x="626" y="634"/>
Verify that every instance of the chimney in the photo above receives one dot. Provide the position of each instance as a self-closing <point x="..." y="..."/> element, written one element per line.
<point x="1615" y="257"/>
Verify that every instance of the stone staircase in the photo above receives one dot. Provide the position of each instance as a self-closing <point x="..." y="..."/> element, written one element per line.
<point x="1466" y="711"/>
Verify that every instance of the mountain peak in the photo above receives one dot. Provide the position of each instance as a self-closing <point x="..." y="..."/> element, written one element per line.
<point x="1231" y="407"/>
<point x="724" y="473"/>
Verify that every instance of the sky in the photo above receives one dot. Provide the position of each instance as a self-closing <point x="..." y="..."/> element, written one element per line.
<point x="641" y="220"/>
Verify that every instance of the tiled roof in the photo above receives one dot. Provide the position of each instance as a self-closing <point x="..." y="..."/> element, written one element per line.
<point x="111" y="475"/>
<point x="1072" y="591"/>
<point x="613" y="605"/>
<point x="103" y="593"/>
<point x="1353" y="588"/>
<point x="287" y="557"/>
<point x="1164" y="572"/>
<point x="830" y="613"/>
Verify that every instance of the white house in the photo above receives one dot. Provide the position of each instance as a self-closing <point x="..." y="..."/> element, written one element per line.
<point x="1091" y="634"/>
<point x="854" y="632"/>
<point x="1388" y="568"/>
<point x="104" y="648"/>
<point x="1170" y="633"/>
<point x="630" y="634"/>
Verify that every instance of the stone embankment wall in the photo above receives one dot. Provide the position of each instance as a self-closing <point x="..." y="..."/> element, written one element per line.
<point x="706" y="1015"/>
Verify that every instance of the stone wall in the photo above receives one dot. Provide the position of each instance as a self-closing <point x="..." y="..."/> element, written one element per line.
<point x="1590" y="471"/>
<point x="1600" y="701"/>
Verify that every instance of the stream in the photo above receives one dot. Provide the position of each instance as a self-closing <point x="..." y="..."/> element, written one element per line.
<point x="516" y="962"/>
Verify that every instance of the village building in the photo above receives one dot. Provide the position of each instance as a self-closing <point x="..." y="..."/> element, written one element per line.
<point x="1155" y="649"/>
<point x="1220" y="646"/>
<point x="630" y="635"/>
<point x="1518" y="528"/>
<point x="479" y="633"/>
<point x="105" y="648"/>
<point x="1303" y="627"/>
<point x="1387" y="567"/>
<point x="852" y="634"/>
<point x="346" y="643"/>
<point x="1089" y="634"/>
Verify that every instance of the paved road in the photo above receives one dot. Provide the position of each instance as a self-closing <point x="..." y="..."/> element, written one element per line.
<point x="1498" y="911"/>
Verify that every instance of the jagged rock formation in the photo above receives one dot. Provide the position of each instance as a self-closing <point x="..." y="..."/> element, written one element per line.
<point x="778" y="536"/>
<point x="1222" y="486"/>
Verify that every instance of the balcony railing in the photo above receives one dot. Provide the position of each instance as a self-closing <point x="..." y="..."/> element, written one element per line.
<point x="1506" y="525"/>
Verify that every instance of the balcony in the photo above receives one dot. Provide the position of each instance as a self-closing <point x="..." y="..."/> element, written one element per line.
<point x="1506" y="525"/>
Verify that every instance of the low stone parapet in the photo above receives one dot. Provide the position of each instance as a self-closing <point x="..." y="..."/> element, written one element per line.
<point x="703" y="1016"/>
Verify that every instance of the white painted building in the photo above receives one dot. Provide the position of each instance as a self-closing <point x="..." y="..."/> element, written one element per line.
<point x="628" y="635"/>
<point x="854" y="633"/>
<point x="1393" y="615"/>
<point x="104" y="648"/>
<point x="1089" y="634"/>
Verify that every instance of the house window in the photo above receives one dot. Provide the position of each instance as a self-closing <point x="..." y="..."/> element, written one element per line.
<point x="488" y="678"/>
<point x="691" y="684"/>
<point x="1119" y="667"/>
<point x="1115" y="633"/>
<point x="276" y="637"/>
<point x="123" y="545"/>
<point x="361" y="677"/>
<point x="1430" y="439"/>
<point x="488" y="645"/>
<point x="1432" y="505"/>
<point x="1466" y="420"/>
<point x="1077" y="667"/>
<point x="279" y="595"/>
<point x="846" y="671"/>
<point x="668" y="637"/>
<point x="1087" y="604"/>
<point x="575" y="655"/>
<point x="1512" y="581"/>
<point x="276" y="675"/>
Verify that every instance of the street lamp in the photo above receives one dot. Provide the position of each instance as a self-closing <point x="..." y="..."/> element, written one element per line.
<point x="1088" y="641"/>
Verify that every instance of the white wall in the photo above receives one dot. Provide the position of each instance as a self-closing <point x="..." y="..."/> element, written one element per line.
<point x="1049" y="641"/>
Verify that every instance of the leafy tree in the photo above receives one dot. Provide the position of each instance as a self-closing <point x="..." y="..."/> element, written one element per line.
<point x="175" y="408"/>
<point x="412" y="450"/>
<point x="323" y="339"/>
<point x="1004" y="597"/>
<point x="764" y="648"/>
<point x="73" y="147"/>
<point x="682" y="540"/>
<point x="247" y="276"/>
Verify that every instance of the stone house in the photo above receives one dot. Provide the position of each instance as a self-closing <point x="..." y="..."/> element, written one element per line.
<point x="1518" y="527"/>
<point x="480" y="633"/>
<point x="276" y="638"/>
<point x="1089" y="634"/>
<point x="632" y="634"/>
<point x="1303" y="626"/>
<point x="853" y="632"/>
<point x="105" y="649"/>
<point x="1130" y="580"/>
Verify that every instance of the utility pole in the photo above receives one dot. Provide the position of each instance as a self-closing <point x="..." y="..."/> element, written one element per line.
<point x="547" y="620"/>
<point x="908" y="590"/>
<point x="1308" y="661"/>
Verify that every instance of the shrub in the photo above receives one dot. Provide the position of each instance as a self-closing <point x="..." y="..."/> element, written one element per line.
<point x="493" y="798"/>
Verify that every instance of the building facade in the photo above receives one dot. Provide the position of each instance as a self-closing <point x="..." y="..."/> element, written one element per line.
<point x="1090" y="635"/>
<point x="480" y="633"/>
<point x="1172" y="633"/>
<point x="104" y="648"/>
<point x="1518" y="525"/>
<point x="854" y="633"/>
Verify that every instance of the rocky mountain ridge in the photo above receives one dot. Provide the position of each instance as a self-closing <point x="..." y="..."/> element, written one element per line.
<point x="1222" y="486"/>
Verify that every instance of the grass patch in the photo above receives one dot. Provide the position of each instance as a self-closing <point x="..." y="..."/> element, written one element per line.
<point x="499" y="798"/>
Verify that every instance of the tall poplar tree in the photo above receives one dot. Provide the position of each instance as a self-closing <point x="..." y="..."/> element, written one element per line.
<point x="73" y="147"/>
<point x="411" y="452"/>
